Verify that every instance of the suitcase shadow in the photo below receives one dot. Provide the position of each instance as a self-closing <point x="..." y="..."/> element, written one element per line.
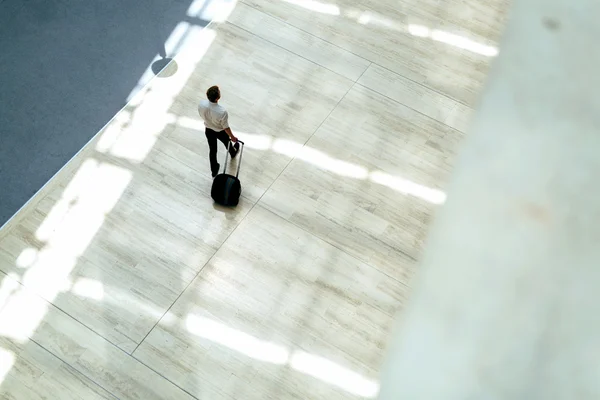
<point x="230" y="212"/>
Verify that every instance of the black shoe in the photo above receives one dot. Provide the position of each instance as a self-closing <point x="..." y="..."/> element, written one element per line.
<point x="215" y="171"/>
<point x="236" y="148"/>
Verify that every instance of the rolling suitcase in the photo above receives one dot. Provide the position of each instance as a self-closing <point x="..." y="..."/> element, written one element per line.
<point x="226" y="189"/>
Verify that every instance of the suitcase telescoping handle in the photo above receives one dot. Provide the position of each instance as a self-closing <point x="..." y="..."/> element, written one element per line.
<point x="239" y="160"/>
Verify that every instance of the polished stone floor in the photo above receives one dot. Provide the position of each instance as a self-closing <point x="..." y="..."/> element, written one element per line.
<point x="122" y="279"/>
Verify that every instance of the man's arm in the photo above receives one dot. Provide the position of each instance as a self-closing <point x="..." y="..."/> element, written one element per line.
<point x="230" y="134"/>
<point x="225" y="122"/>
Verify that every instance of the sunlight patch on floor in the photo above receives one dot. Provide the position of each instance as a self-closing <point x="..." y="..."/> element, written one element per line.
<point x="406" y="186"/>
<point x="318" y="367"/>
<point x="236" y="340"/>
<point x="343" y="168"/>
<point x="89" y="288"/>
<point x="334" y="374"/>
<point x="312" y="5"/>
<point x="215" y="11"/>
<point x="7" y="360"/>
<point x="452" y="39"/>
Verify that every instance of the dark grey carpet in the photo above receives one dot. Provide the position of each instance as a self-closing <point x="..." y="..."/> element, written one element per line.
<point x="66" y="67"/>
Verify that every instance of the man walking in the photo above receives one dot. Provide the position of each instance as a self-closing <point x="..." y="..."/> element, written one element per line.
<point x="217" y="127"/>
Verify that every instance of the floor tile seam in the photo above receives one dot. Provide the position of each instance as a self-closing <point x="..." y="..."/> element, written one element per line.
<point x="411" y="108"/>
<point x="61" y="310"/>
<point x="305" y="31"/>
<point x="304" y="144"/>
<point x="216" y="251"/>
<point x="74" y="368"/>
<point x="353" y="53"/>
<point x="449" y="97"/>
<point x="77" y="321"/>
<point x="334" y="245"/>
<point x="290" y="51"/>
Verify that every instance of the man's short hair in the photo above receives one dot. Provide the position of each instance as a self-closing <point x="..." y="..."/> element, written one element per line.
<point x="213" y="93"/>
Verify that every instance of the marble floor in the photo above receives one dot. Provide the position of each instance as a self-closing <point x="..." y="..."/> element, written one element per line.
<point x="122" y="279"/>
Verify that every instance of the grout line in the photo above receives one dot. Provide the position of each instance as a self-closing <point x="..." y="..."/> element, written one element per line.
<point x="304" y="144"/>
<point x="303" y="30"/>
<point x="162" y="376"/>
<point x="408" y="256"/>
<point x="33" y="293"/>
<point x="191" y="281"/>
<point x="290" y="51"/>
<point x="361" y="75"/>
<point x="410" y="108"/>
<point x="69" y="315"/>
<point x="425" y="86"/>
<point x="351" y="52"/>
<point x="293" y="158"/>
<point x="259" y="199"/>
<point x="332" y="110"/>
<point x="75" y="369"/>
<point x="179" y="296"/>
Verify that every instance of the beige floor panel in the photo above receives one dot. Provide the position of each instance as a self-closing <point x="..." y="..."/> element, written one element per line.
<point x="418" y="97"/>
<point x="444" y="45"/>
<point x="370" y="180"/>
<point x="273" y="300"/>
<point x="299" y="42"/>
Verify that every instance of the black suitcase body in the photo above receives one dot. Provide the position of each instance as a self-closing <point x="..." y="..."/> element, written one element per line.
<point x="226" y="189"/>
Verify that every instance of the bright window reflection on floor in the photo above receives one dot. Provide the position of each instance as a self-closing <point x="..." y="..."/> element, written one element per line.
<point x="21" y="315"/>
<point x="367" y="17"/>
<point x="318" y="367"/>
<point x="236" y="340"/>
<point x="312" y="5"/>
<point x="453" y="40"/>
<point x="334" y="374"/>
<point x="27" y="257"/>
<point x="408" y="187"/>
<point x="211" y="10"/>
<point x="67" y="231"/>
<point x="7" y="288"/>
<point x="75" y="218"/>
<point x="371" y="18"/>
<point x="318" y="158"/>
<point x="7" y="359"/>
<point x="89" y="288"/>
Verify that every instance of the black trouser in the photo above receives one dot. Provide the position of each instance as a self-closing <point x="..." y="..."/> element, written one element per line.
<point x="212" y="137"/>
